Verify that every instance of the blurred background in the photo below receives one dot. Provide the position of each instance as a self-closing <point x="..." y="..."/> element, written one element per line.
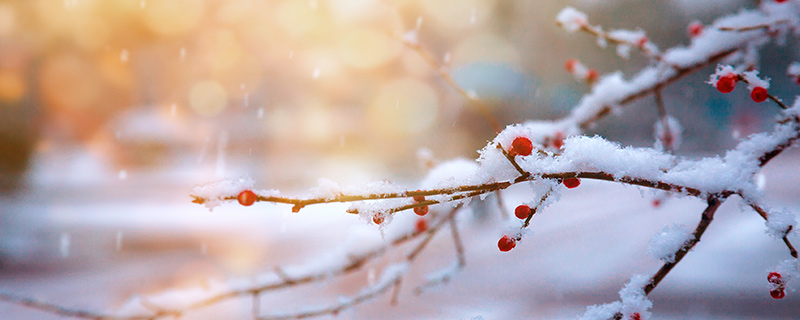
<point x="112" y="110"/>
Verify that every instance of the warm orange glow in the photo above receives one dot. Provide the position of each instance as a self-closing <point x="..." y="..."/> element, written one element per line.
<point x="173" y="17"/>
<point x="12" y="87"/>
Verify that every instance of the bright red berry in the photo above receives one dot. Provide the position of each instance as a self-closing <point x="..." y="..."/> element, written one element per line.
<point x="777" y="294"/>
<point x="726" y="84"/>
<point x="247" y="198"/>
<point x="421" y="211"/>
<point x="780" y="1"/>
<point x="421" y="225"/>
<point x="759" y="94"/>
<point x="522" y="211"/>
<point x="378" y="218"/>
<point x="570" y="65"/>
<point x="775" y="278"/>
<point x="636" y="316"/>
<point x="591" y="75"/>
<point x="694" y="29"/>
<point x="506" y="243"/>
<point x="572" y="182"/>
<point x="522" y="146"/>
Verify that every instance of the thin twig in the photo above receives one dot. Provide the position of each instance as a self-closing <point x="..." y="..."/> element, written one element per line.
<point x="705" y="220"/>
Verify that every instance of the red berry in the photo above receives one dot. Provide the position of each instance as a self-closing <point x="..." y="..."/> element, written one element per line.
<point x="506" y="243"/>
<point x="421" y="211"/>
<point x="656" y="203"/>
<point x="570" y="65"/>
<point x="727" y="83"/>
<point x="419" y="198"/>
<point x="572" y="182"/>
<point x="558" y="140"/>
<point x="591" y="75"/>
<point x="775" y="278"/>
<point x="694" y="29"/>
<point x="780" y="1"/>
<point x="421" y="225"/>
<point x="777" y="294"/>
<point x="522" y="146"/>
<point x="641" y="42"/>
<point x="636" y="316"/>
<point x="378" y="218"/>
<point x="759" y="94"/>
<point x="247" y="198"/>
<point x="522" y="211"/>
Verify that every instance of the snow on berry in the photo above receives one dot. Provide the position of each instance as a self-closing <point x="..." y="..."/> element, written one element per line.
<point x="506" y="243"/>
<point x="571" y="19"/>
<point x="777" y="294"/>
<point x="724" y="78"/>
<point x="666" y="243"/>
<point x="421" y="211"/>
<point x="775" y="278"/>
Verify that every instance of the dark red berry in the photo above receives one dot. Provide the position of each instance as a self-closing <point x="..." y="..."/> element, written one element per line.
<point x="694" y="29"/>
<point x="378" y="218"/>
<point x="522" y="146"/>
<point x="522" y="211"/>
<point x="572" y="182"/>
<point x="591" y="75"/>
<point x="759" y="94"/>
<point x="726" y="84"/>
<point x="421" y="225"/>
<point x="558" y="140"/>
<point x="247" y="198"/>
<point x="780" y="1"/>
<point x="421" y="211"/>
<point x="636" y="316"/>
<point x="777" y="294"/>
<point x="506" y="243"/>
<point x="775" y="278"/>
<point x="641" y="42"/>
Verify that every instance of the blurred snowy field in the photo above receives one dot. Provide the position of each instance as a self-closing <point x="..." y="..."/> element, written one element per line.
<point x="93" y="242"/>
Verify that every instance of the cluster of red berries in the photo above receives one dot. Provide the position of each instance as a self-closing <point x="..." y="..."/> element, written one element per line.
<point x="727" y="83"/>
<point x="778" y="285"/>
<point x="247" y="198"/>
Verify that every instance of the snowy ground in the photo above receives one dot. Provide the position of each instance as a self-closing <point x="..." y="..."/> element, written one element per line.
<point x="93" y="244"/>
